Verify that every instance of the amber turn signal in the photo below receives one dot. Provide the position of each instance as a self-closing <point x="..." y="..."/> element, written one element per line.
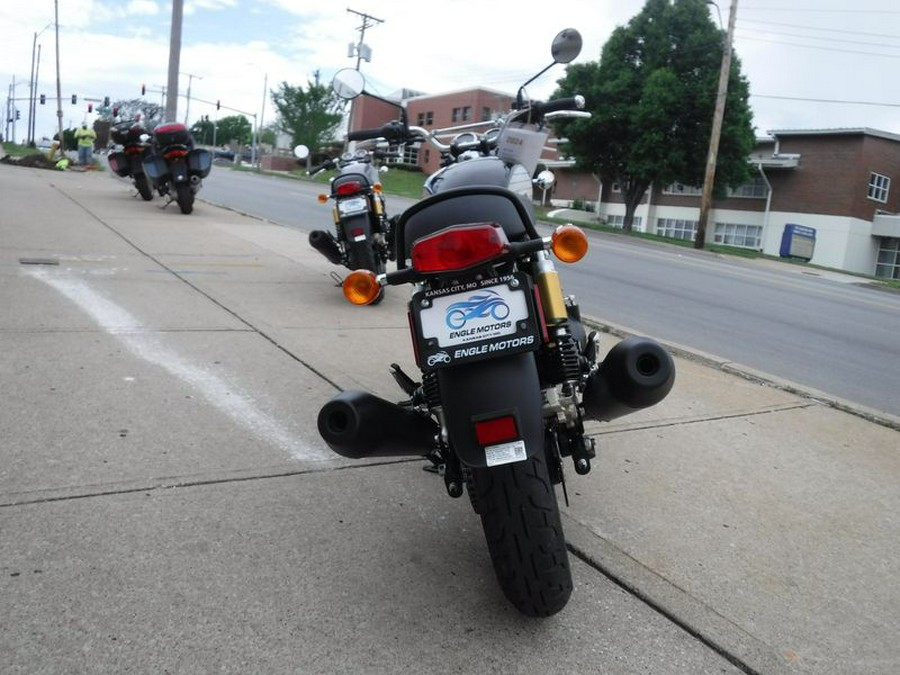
<point x="361" y="287"/>
<point x="569" y="243"/>
<point x="322" y="198"/>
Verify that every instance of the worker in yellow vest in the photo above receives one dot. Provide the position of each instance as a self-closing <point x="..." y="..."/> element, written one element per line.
<point x="85" y="138"/>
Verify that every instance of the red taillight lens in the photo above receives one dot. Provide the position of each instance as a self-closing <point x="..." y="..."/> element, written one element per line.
<point x="496" y="430"/>
<point x="459" y="247"/>
<point x="348" y="188"/>
<point x="175" y="154"/>
<point x="357" y="232"/>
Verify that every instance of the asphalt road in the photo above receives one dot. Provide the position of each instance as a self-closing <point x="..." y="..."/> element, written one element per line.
<point x="796" y="323"/>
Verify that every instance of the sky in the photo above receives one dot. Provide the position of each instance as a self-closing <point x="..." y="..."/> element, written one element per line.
<point x="811" y="64"/>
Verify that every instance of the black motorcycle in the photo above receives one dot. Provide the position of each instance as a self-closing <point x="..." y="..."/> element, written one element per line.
<point x="509" y="372"/>
<point x="175" y="167"/>
<point x="363" y="234"/>
<point x="129" y="161"/>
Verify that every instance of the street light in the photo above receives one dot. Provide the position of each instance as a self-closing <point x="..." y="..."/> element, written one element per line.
<point x="718" y="116"/>
<point x="33" y="85"/>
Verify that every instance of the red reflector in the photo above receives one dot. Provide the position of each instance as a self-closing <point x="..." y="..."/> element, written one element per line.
<point x="497" y="430"/>
<point x="459" y="247"/>
<point x="357" y="232"/>
<point x="174" y="154"/>
<point x="349" y="188"/>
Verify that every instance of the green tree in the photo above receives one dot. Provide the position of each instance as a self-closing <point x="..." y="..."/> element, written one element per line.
<point x="203" y="131"/>
<point x="233" y="128"/>
<point x="311" y="117"/>
<point x="652" y="98"/>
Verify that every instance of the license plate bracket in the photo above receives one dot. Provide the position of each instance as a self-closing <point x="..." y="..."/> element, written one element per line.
<point x="474" y="320"/>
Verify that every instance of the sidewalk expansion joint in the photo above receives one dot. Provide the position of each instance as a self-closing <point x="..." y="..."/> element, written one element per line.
<point x="160" y="484"/>
<point x="663" y="424"/>
<point x="702" y="622"/>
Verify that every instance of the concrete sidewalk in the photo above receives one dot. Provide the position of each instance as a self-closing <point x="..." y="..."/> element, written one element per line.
<point x="166" y="504"/>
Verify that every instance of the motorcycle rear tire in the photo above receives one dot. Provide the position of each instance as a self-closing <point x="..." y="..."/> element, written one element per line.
<point x="184" y="195"/>
<point x="143" y="187"/>
<point x="363" y="257"/>
<point x="520" y="517"/>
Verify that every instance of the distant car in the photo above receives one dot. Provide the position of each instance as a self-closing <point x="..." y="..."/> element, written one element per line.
<point x="224" y="154"/>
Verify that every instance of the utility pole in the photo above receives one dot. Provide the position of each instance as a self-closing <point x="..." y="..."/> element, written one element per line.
<point x="718" y="116"/>
<point x="171" y="113"/>
<point x="59" y="112"/>
<point x="187" y="107"/>
<point x="362" y="49"/>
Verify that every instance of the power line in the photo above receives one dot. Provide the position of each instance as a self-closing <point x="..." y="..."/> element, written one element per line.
<point x="826" y="49"/>
<point x="827" y="100"/>
<point x="817" y="37"/>
<point x="824" y="30"/>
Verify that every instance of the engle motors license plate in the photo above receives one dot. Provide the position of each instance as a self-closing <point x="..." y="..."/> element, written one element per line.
<point x="475" y="320"/>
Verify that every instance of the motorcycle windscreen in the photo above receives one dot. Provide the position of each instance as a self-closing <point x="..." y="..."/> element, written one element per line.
<point x="505" y="388"/>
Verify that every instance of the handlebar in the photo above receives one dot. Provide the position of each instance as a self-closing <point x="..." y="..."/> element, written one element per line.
<point x="396" y="133"/>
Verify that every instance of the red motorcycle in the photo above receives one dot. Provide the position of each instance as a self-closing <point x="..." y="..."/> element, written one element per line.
<point x="175" y="167"/>
<point x="129" y="161"/>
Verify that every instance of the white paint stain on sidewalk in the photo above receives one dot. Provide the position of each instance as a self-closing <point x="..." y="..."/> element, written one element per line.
<point x="221" y="393"/>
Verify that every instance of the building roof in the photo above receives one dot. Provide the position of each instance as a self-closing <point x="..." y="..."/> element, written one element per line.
<point x="855" y="131"/>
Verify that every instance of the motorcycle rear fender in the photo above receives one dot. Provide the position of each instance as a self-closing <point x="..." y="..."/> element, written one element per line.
<point x="484" y="389"/>
<point x="358" y="222"/>
<point x="178" y="168"/>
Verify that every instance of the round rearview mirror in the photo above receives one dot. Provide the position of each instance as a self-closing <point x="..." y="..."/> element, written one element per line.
<point x="545" y="180"/>
<point x="348" y="83"/>
<point x="301" y="152"/>
<point x="566" y="46"/>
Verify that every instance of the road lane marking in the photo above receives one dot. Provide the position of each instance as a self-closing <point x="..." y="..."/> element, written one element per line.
<point x="221" y="393"/>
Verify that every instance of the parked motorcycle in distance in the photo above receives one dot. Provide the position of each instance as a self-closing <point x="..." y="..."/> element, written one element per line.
<point x="129" y="161"/>
<point x="509" y="373"/>
<point x="175" y="167"/>
<point x="363" y="232"/>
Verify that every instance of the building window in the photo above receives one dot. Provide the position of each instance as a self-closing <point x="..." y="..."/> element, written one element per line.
<point x="888" y="265"/>
<point x="879" y="186"/>
<point x="682" y="190"/>
<point x="755" y="189"/>
<point x="619" y="221"/>
<point x="485" y="114"/>
<point x="425" y="119"/>
<point x="676" y="228"/>
<point x="734" y="234"/>
<point x="463" y="114"/>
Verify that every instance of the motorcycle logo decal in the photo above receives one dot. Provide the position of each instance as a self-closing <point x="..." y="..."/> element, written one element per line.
<point x="473" y="316"/>
<point x="438" y="357"/>
<point x="480" y="306"/>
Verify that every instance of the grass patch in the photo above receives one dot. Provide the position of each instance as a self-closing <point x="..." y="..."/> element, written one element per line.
<point x="16" y="150"/>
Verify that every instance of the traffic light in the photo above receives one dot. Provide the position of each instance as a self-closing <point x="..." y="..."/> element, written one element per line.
<point x="90" y="107"/>
<point x="143" y="89"/>
<point x="43" y="99"/>
<point x="18" y="116"/>
<point x="115" y="112"/>
<point x="74" y="99"/>
<point x="106" y="101"/>
<point x="218" y="104"/>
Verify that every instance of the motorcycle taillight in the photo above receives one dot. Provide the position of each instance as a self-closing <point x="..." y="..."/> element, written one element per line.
<point x="459" y="247"/>
<point x="348" y="188"/>
<point x="175" y="154"/>
<point x="496" y="430"/>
